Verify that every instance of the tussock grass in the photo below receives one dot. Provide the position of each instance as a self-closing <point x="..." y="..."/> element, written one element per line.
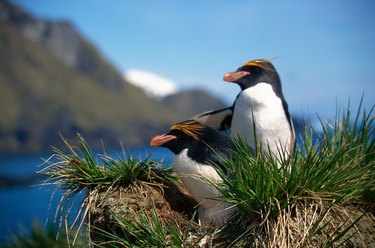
<point x="322" y="195"/>
<point x="147" y="229"/>
<point x="328" y="172"/>
<point x="78" y="172"/>
<point x="79" y="169"/>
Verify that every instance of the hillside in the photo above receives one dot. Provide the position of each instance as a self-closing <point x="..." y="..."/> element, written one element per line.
<point x="43" y="95"/>
<point x="53" y="81"/>
<point x="192" y="102"/>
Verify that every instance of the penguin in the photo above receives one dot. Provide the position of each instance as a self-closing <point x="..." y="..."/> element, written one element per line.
<point x="196" y="148"/>
<point x="260" y="104"/>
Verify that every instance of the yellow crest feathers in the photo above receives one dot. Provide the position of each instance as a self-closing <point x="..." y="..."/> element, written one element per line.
<point x="262" y="63"/>
<point x="191" y="128"/>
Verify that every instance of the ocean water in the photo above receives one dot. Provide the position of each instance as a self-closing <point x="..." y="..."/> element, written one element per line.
<point x="24" y="201"/>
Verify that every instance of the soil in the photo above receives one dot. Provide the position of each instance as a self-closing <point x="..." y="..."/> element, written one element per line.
<point x="171" y="201"/>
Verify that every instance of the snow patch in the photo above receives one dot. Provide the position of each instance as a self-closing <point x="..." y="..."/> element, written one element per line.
<point x="153" y="84"/>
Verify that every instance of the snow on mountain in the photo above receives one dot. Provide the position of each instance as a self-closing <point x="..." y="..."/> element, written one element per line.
<point x="153" y="84"/>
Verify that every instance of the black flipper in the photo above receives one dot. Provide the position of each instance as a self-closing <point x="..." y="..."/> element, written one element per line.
<point x="218" y="119"/>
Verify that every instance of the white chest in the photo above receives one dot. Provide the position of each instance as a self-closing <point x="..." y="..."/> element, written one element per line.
<point x="191" y="174"/>
<point x="259" y="105"/>
<point x="212" y="210"/>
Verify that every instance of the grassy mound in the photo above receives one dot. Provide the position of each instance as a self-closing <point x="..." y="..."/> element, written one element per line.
<point x="117" y="191"/>
<point x="320" y="196"/>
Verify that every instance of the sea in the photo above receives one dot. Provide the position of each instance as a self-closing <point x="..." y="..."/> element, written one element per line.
<point x="24" y="201"/>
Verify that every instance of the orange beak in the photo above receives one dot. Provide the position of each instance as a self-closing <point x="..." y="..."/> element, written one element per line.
<point x="234" y="76"/>
<point x="159" y="140"/>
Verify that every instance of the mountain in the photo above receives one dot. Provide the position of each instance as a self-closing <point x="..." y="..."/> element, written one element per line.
<point x="187" y="103"/>
<point x="45" y="91"/>
<point x="192" y="102"/>
<point x="53" y="81"/>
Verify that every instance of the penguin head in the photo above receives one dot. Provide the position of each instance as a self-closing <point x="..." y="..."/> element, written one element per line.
<point x="253" y="72"/>
<point x="180" y="136"/>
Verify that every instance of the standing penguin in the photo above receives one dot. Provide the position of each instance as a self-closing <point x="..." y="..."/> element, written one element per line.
<point x="195" y="147"/>
<point x="260" y="103"/>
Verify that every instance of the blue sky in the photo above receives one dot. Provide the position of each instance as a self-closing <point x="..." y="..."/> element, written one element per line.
<point x="324" y="48"/>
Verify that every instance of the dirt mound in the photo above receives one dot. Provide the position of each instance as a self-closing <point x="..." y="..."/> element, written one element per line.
<point x="171" y="202"/>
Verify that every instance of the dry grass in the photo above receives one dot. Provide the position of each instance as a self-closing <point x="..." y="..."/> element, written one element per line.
<point x="309" y="224"/>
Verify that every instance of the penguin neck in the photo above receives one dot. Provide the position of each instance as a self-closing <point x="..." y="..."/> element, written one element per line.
<point x="263" y="79"/>
<point x="258" y="96"/>
<point x="176" y="146"/>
